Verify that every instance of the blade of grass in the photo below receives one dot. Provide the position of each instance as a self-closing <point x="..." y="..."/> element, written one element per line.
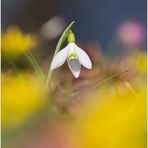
<point x="58" y="47"/>
<point x="100" y="83"/>
<point x="13" y="67"/>
<point x="110" y="78"/>
<point x="34" y="63"/>
<point x="130" y="87"/>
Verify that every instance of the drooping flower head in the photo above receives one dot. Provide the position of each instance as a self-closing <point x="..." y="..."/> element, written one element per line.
<point x="75" y="57"/>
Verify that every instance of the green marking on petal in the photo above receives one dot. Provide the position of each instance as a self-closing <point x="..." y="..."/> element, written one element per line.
<point x="73" y="56"/>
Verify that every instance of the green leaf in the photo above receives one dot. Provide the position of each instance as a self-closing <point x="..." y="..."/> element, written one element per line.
<point x="58" y="47"/>
<point x="34" y="63"/>
<point x="112" y="77"/>
<point x="100" y="83"/>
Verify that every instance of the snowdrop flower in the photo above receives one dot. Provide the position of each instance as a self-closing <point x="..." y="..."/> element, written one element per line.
<point x="75" y="57"/>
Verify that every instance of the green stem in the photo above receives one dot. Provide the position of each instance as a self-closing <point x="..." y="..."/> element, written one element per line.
<point x="58" y="47"/>
<point x="34" y="63"/>
<point x="110" y="78"/>
<point x="102" y="82"/>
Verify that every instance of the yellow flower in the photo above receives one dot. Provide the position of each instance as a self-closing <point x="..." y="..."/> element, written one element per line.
<point x="22" y="96"/>
<point x="15" y="42"/>
<point x="141" y="62"/>
<point x="110" y="120"/>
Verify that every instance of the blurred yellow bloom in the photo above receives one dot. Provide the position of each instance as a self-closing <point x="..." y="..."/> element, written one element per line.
<point x="21" y="97"/>
<point x="14" y="41"/>
<point x="112" y="120"/>
<point x="138" y="61"/>
<point x="141" y="62"/>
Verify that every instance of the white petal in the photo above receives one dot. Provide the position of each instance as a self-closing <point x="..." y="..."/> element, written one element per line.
<point x="75" y="67"/>
<point x="83" y="57"/>
<point x="71" y="47"/>
<point x="59" y="58"/>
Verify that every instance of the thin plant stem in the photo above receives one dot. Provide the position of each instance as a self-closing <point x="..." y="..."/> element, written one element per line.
<point x="109" y="78"/>
<point x="101" y="82"/>
<point x="34" y="63"/>
<point x="129" y="86"/>
<point x="58" y="47"/>
<point x="116" y="91"/>
<point x="68" y="89"/>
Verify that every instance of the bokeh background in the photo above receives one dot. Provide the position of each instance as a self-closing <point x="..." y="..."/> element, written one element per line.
<point x="97" y="20"/>
<point x="106" y="106"/>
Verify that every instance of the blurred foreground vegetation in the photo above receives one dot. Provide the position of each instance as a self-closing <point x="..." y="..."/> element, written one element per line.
<point x="104" y="108"/>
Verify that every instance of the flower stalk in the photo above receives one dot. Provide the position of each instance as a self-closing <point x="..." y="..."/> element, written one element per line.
<point x="58" y="47"/>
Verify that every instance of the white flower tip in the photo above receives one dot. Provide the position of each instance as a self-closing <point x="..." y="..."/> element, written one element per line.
<point x="76" y="76"/>
<point x="89" y="66"/>
<point x="52" y="67"/>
